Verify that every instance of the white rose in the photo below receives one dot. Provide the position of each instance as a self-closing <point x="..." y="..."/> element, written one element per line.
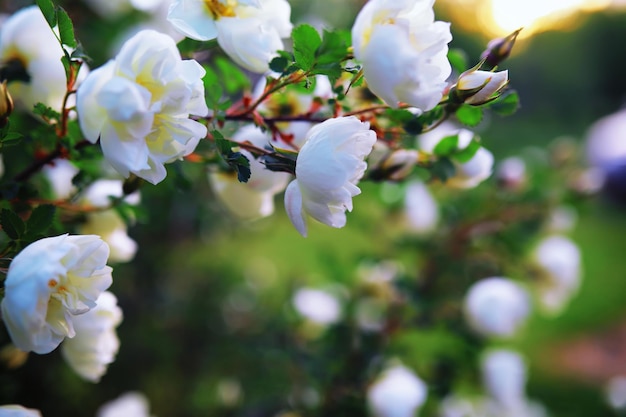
<point x="95" y="344"/>
<point x="403" y="51"/>
<point x="496" y="307"/>
<point x="492" y="84"/>
<point x="48" y="283"/>
<point x="248" y="31"/>
<point x="398" y="392"/>
<point x="27" y="40"/>
<point x="255" y="198"/>
<point x="328" y="169"/>
<point x="319" y="306"/>
<point x="138" y="105"/>
<point x="108" y="224"/>
<point x="559" y="259"/>
<point x="60" y="173"/>
<point x="130" y="404"/>
<point x="470" y="173"/>
<point x="420" y="208"/>
<point x="504" y="376"/>
<point x="14" y="410"/>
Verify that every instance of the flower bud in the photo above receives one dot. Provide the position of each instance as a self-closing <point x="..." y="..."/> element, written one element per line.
<point x="6" y="104"/>
<point x="499" y="49"/>
<point x="477" y="87"/>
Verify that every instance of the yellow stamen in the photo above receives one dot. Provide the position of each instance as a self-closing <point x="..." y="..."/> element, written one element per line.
<point x="219" y="9"/>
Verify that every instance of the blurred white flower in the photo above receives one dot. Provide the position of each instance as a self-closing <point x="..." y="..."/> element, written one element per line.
<point x="398" y="392"/>
<point x="255" y="198"/>
<point x="470" y="173"/>
<point x="249" y="31"/>
<point x="420" y="208"/>
<point x="492" y="84"/>
<point x="50" y="282"/>
<point x="328" y="169"/>
<point x="130" y="404"/>
<point x="615" y="391"/>
<point x="111" y="9"/>
<point x="511" y="172"/>
<point x="496" y="307"/>
<point x="318" y="306"/>
<point x="138" y="105"/>
<point x="28" y="43"/>
<point x="14" y="410"/>
<point x="456" y="406"/>
<point x="403" y="51"/>
<point x="606" y="144"/>
<point x="504" y="377"/>
<point x="559" y="259"/>
<point x="562" y="219"/>
<point x="60" y="173"/>
<point x="95" y="344"/>
<point x="108" y="224"/>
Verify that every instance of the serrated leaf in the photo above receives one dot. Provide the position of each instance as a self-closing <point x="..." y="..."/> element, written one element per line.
<point x="242" y="166"/>
<point x="333" y="48"/>
<point x="306" y="40"/>
<point x="44" y="111"/>
<point x="469" y="115"/>
<point x="12" y="225"/>
<point x="468" y="153"/>
<point x="507" y="104"/>
<point x="224" y="146"/>
<point x="66" y="28"/>
<point x="49" y="11"/>
<point x="40" y="219"/>
<point x="447" y="146"/>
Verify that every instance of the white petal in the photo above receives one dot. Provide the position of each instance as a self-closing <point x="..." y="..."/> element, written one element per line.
<point x="293" y="206"/>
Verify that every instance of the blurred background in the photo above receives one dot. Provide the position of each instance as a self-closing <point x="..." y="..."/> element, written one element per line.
<point x="210" y="328"/>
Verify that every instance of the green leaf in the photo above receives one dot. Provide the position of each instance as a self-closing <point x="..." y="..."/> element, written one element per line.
<point x="507" y="104"/>
<point x="49" y="11"/>
<point x="12" y="225"/>
<point x="447" y="146"/>
<point x="279" y="64"/>
<point x="66" y="29"/>
<point x="46" y="112"/>
<point x="333" y="48"/>
<point x="241" y="165"/>
<point x="468" y="153"/>
<point x="233" y="79"/>
<point x="443" y="169"/>
<point x="469" y="115"/>
<point x="213" y="90"/>
<point x="306" y="40"/>
<point x="458" y="59"/>
<point x="40" y="219"/>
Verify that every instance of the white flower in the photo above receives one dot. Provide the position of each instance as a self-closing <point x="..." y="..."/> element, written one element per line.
<point x="615" y="392"/>
<point x="255" y="198"/>
<point x="249" y="31"/>
<point x="559" y="259"/>
<point x="107" y="223"/>
<point x="398" y="392"/>
<point x="511" y="172"/>
<point x="50" y="282"/>
<point x="14" y="410"/>
<point x="95" y="344"/>
<point x="606" y="147"/>
<point x="492" y="84"/>
<point x="328" y="169"/>
<point x="318" y="306"/>
<point x="420" y="208"/>
<point x="138" y="105"/>
<point x="60" y="173"/>
<point x="470" y="173"/>
<point x="496" y="307"/>
<point x="27" y="41"/>
<point x="504" y="376"/>
<point x="403" y="51"/>
<point x="130" y="404"/>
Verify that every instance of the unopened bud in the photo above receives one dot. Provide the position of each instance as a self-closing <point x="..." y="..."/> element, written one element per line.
<point x="499" y="49"/>
<point x="477" y="87"/>
<point x="6" y="104"/>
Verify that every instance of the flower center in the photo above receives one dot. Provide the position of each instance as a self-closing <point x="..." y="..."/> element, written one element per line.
<point x="221" y="8"/>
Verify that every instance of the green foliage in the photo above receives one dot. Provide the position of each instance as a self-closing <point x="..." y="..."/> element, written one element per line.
<point x="236" y="160"/>
<point x="469" y="115"/>
<point x="507" y="104"/>
<point x="306" y="41"/>
<point x="49" y="11"/>
<point x="12" y="225"/>
<point x="66" y="28"/>
<point x="458" y="59"/>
